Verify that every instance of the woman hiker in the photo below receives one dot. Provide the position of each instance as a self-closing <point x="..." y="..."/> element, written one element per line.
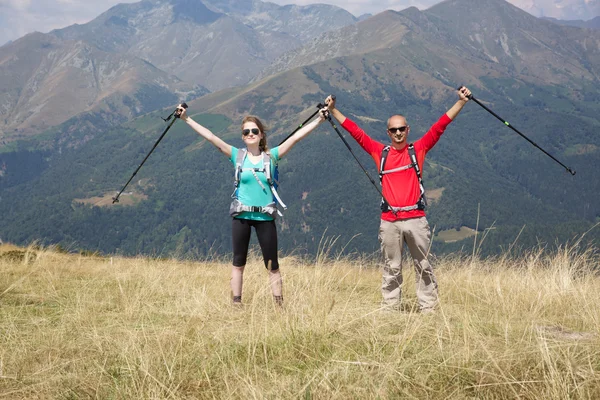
<point x="255" y="198"/>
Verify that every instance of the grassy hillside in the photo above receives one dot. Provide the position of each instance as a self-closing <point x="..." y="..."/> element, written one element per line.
<point x="77" y="326"/>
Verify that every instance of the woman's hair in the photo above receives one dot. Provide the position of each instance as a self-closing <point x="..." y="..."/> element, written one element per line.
<point x="262" y="145"/>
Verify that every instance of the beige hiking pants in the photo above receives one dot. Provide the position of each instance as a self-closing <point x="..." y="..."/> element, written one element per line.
<point x="416" y="234"/>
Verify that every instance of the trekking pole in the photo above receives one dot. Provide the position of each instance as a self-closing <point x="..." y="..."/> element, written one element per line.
<point x="351" y="152"/>
<point x="302" y="124"/>
<point x="174" y="115"/>
<point x="471" y="97"/>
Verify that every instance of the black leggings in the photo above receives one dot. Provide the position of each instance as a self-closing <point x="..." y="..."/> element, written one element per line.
<point x="266" y="231"/>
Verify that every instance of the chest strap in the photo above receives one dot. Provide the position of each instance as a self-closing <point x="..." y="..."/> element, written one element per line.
<point x="236" y="208"/>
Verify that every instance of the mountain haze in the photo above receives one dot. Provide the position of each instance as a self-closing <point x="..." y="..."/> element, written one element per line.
<point x="526" y="46"/>
<point x="563" y="9"/>
<point x="300" y="22"/>
<point x="216" y="48"/>
<point x="494" y="33"/>
<point x="47" y="81"/>
<point x="593" y="23"/>
<point x="138" y="57"/>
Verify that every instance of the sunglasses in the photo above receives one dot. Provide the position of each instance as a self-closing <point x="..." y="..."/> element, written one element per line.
<point x="254" y="131"/>
<point x="400" y="129"/>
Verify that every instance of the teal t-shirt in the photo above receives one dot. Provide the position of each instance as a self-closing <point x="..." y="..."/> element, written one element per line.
<point x="249" y="191"/>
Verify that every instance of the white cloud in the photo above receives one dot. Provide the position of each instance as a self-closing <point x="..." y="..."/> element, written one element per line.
<point x="562" y="9"/>
<point x="19" y="17"/>
<point x="16" y="4"/>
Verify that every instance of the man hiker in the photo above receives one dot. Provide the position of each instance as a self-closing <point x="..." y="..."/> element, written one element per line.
<point x="403" y="219"/>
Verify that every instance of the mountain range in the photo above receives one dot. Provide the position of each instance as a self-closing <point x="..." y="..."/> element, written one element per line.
<point x="541" y="76"/>
<point x="593" y="23"/>
<point x="138" y="57"/>
<point x="562" y="9"/>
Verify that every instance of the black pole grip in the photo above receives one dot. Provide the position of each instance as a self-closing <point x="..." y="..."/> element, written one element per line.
<point x="470" y="97"/>
<point x="183" y="105"/>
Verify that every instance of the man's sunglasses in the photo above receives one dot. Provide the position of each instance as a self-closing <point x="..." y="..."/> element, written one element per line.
<point x="400" y="128"/>
<point x="246" y="132"/>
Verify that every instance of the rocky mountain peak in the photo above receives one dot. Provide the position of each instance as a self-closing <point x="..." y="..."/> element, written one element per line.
<point x="489" y="12"/>
<point x="194" y="11"/>
<point x="165" y="47"/>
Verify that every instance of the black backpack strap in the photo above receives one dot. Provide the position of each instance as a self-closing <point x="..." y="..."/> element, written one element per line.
<point x="413" y="159"/>
<point x="239" y="161"/>
<point x="268" y="160"/>
<point x="384" y="154"/>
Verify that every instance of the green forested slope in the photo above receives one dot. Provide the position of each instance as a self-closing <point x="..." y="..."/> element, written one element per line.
<point x="479" y="162"/>
<point x="489" y="177"/>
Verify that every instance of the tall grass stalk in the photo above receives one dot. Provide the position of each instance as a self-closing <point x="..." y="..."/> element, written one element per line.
<point x="85" y="327"/>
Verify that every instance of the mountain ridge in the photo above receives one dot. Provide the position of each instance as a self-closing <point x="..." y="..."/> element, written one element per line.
<point x="179" y="49"/>
<point x="524" y="46"/>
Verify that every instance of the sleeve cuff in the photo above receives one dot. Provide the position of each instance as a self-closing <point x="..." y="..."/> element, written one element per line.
<point x="444" y="121"/>
<point x="348" y="124"/>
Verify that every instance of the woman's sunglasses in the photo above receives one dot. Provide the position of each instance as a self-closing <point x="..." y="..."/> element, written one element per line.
<point x="400" y="128"/>
<point x="246" y="132"/>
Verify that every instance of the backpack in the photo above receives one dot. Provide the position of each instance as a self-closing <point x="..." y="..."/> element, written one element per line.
<point x="271" y="209"/>
<point x="422" y="203"/>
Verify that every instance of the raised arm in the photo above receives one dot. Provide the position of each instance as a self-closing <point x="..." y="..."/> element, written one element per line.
<point x="205" y="133"/>
<point x="301" y="133"/>
<point x="371" y="146"/>
<point x="463" y="94"/>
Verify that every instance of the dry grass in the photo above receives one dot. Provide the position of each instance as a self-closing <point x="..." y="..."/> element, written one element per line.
<point x="126" y="199"/>
<point x="434" y="195"/>
<point x="452" y="235"/>
<point x="121" y="328"/>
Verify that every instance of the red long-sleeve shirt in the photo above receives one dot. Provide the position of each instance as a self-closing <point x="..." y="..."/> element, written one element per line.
<point x="401" y="189"/>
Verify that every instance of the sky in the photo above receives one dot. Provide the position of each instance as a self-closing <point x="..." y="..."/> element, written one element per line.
<point x="19" y="17"/>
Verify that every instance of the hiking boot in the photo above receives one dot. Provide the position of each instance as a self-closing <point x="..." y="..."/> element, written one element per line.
<point x="278" y="300"/>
